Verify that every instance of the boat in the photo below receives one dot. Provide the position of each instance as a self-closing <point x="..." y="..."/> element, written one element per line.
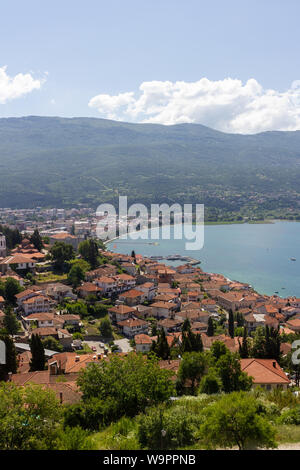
<point x="293" y="259"/>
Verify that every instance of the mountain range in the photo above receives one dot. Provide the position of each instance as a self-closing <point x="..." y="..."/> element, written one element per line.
<point x="62" y="162"/>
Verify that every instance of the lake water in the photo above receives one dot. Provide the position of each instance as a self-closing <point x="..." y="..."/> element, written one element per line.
<point x="258" y="254"/>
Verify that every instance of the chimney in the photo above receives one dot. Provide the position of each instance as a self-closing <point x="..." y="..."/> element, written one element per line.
<point x="274" y="365"/>
<point x="77" y="358"/>
<point x="9" y="376"/>
<point x="60" y="397"/>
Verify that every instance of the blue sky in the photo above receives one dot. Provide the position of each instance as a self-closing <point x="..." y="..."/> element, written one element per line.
<point x="79" y="50"/>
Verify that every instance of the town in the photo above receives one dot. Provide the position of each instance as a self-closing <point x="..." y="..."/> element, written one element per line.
<point x="67" y="302"/>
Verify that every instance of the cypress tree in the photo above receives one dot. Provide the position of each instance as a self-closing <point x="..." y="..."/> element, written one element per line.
<point x="36" y="240"/>
<point x="10" y="322"/>
<point x="243" y="348"/>
<point x="161" y="347"/>
<point x="231" y="324"/>
<point x="38" y="353"/>
<point x="210" y="327"/>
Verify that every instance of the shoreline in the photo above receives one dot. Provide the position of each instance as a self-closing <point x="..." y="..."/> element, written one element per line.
<point x="265" y="289"/>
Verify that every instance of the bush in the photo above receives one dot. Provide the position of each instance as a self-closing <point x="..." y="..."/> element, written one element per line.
<point x="290" y="416"/>
<point x="75" y="439"/>
<point x="210" y="383"/>
<point x="166" y="428"/>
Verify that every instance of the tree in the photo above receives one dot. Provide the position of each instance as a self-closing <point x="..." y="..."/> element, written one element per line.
<point x="210" y="383"/>
<point x="53" y="344"/>
<point x="192" y="367"/>
<point x="78" y="308"/>
<point x="29" y="417"/>
<point x="210" y="327"/>
<point x="128" y="385"/>
<point x="190" y="341"/>
<point x="12" y="287"/>
<point x="105" y="328"/>
<point x="161" y="347"/>
<point x="243" y="348"/>
<point x="231" y="324"/>
<point x="13" y="236"/>
<point x="10" y="322"/>
<point x="273" y="343"/>
<point x="38" y="360"/>
<point x="229" y="370"/>
<point x="258" y="349"/>
<point x="217" y="350"/>
<point x="89" y="250"/>
<point x="163" y="428"/>
<point x="36" y="240"/>
<point x="240" y="320"/>
<point x="61" y="253"/>
<point x="75" y="276"/>
<point x="235" y="420"/>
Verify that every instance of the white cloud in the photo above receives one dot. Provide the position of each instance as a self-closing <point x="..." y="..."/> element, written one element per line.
<point x="19" y="85"/>
<point x="227" y="105"/>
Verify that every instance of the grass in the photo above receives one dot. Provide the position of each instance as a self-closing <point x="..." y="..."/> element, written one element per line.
<point x="288" y="434"/>
<point x="50" y="277"/>
<point x="118" y="436"/>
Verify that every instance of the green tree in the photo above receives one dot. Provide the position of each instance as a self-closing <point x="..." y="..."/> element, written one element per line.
<point x="190" y="341"/>
<point x="53" y="344"/>
<point x="61" y="253"/>
<point x="37" y="349"/>
<point x="217" y="350"/>
<point x="36" y="240"/>
<point x="273" y="343"/>
<point x="210" y="383"/>
<point x="12" y="287"/>
<point x="163" y="428"/>
<point x="244" y="348"/>
<point x="235" y="420"/>
<point x="229" y="370"/>
<point x="75" y="276"/>
<point x="105" y="328"/>
<point x="210" y="327"/>
<point x="259" y="344"/>
<point x="128" y="385"/>
<point x="78" y="308"/>
<point x="89" y="250"/>
<point x="10" y="322"/>
<point x="231" y="324"/>
<point x="192" y="368"/>
<point x="29" y="417"/>
<point x="161" y="347"/>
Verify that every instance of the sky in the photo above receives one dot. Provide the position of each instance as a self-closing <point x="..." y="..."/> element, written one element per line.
<point x="232" y="65"/>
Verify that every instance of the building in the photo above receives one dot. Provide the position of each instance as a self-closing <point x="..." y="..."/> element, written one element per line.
<point x="266" y="373"/>
<point x="66" y="238"/>
<point x="17" y="262"/>
<point x="120" y="313"/>
<point x="143" y="343"/>
<point x="133" y="327"/>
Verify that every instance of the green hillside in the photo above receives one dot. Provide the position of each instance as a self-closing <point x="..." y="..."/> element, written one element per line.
<point x="61" y="162"/>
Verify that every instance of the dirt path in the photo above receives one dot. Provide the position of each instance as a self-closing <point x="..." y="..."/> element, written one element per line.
<point x="295" y="446"/>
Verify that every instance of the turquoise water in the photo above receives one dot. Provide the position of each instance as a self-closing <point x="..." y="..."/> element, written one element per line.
<point x="258" y="254"/>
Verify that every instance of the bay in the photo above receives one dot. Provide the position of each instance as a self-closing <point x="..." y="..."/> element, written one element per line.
<point x="259" y="254"/>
